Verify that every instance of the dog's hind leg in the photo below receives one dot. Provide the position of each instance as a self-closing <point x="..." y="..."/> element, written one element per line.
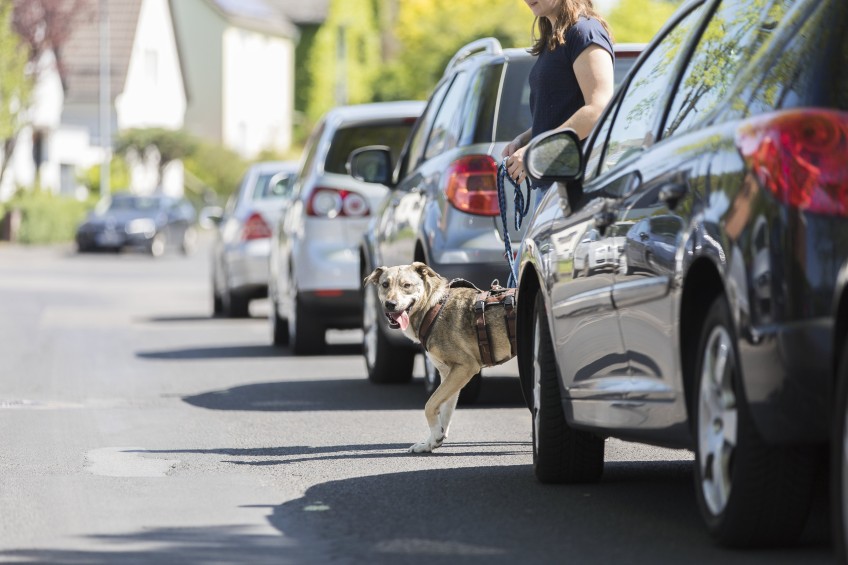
<point x="440" y="406"/>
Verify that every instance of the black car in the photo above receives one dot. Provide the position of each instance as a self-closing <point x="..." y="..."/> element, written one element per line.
<point x="443" y="209"/>
<point x="728" y="144"/>
<point x="153" y="223"/>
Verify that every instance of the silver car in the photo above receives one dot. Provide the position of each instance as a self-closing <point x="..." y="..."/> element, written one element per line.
<point x="315" y="279"/>
<point x="242" y="245"/>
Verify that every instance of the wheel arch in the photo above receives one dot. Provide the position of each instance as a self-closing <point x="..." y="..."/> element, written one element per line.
<point x="702" y="285"/>
<point x="528" y="288"/>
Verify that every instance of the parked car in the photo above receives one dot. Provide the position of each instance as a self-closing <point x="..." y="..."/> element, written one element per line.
<point x="732" y="124"/>
<point x="596" y="251"/>
<point x="154" y="223"/>
<point x="243" y="236"/>
<point x="443" y="209"/>
<point x="315" y="282"/>
<point x="650" y="245"/>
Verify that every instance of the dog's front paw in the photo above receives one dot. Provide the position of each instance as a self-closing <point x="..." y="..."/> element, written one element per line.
<point x="422" y="447"/>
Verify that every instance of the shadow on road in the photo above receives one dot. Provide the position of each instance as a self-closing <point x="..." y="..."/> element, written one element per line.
<point x="642" y="512"/>
<point x="239" y="351"/>
<point x="345" y="394"/>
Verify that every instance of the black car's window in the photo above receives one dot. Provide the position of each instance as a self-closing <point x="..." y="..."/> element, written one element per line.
<point x="514" y="117"/>
<point x="422" y="129"/>
<point x="446" y="127"/>
<point x="136" y="203"/>
<point x="391" y="134"/>
<point x="636" y="117"/>
<point x="800" y="66"/>
<point x="731" y="40"/>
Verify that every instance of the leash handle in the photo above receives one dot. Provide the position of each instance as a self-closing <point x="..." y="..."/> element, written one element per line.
<point x="522" y="206"/>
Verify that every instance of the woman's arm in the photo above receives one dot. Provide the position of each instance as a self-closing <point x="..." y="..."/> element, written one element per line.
<point x="594" y="71"/>
<point x="520" y="141"/>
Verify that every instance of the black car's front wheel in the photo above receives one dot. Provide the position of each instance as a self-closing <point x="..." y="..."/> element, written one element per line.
<point x="749" y="493"/>
<point x="561" y="454"/>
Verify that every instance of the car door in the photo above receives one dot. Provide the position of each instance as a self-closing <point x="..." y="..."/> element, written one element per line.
<point x="622" y="163"/>
<point x="401" y="211"/>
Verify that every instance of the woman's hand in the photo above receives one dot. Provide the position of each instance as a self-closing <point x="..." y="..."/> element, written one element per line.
<point x="515" y="165"/>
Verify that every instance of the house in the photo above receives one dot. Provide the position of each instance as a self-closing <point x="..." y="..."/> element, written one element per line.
<point x="146" y="90"/>
<point x="239" y="68"/>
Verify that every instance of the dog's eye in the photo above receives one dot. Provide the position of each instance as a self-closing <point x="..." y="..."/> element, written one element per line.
<point x="385" y="284"/>
<point x="407" y="285"/>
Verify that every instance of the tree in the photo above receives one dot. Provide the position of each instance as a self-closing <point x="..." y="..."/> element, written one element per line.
<point x="637" y="21"/>
<point x="15" y="85"/>
<point x="163" y="145"/>
<point x="423" y="35"/>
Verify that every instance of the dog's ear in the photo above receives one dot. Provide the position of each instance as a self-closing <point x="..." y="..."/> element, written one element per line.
<point x="374" y="276"/>
<point x="423" y="270"/>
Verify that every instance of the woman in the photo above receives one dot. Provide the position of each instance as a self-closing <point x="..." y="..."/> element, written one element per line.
<point x="572" y="79"/>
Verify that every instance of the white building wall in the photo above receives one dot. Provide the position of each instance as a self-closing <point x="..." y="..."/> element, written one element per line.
<point x="258" y="93"/>
<point x="153" y="95"/>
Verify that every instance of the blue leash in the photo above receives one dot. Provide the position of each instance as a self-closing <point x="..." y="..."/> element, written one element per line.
<point x="521" y="209"/>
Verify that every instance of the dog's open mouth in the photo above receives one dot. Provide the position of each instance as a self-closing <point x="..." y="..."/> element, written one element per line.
<point x="399" y="320"/>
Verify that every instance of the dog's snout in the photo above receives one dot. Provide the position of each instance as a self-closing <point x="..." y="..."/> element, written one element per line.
<point x="391" y="305"/>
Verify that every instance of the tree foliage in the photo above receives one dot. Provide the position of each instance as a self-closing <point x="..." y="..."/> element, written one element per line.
<point x="15" y="84"/>
<point x="637" y="21"/>
<point x="427" y="33"/>
<point x="344" y="57"/>
<point x="169" y="144"/>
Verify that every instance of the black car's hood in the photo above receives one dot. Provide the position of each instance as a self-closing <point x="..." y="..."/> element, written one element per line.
<point x="121" y="217"/>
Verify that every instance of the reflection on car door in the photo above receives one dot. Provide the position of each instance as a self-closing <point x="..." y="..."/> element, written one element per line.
<point x="585" y="327"/>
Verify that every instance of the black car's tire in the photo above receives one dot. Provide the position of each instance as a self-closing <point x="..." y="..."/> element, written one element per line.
<point x="306" y="333"/>
<point x="839" y="461"/>
<point x="385" y="362"/>
<point x="749" y="493"/>
<point x="279" y="326"/>
<point x="236" y="305"/>
<point x="561" y="454"/>
<point x="432" y="380"/>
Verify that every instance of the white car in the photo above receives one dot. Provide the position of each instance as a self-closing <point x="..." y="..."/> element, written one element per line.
<point x="315" y="281"/>
<point x="243" y="236"/>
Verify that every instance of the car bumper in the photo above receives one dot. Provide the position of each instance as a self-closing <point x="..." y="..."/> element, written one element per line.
<point x="340" y="309"/>
<point x="787" y="380"/>
<point x="112" y="239"/>
<point x="247" y="265"/>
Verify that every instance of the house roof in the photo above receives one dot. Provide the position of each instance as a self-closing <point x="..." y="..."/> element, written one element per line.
<point x="303" y="13"/>
<point x="257" y="15"/>
<point x="81" y="52"/>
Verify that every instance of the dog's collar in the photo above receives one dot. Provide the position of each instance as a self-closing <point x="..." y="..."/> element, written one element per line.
<point x="430" y="318"/>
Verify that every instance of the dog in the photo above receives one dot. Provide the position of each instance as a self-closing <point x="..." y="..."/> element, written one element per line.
<point x="415" y="298"/>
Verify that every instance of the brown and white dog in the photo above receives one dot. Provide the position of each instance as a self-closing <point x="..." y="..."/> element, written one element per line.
<point x="416" y="298"/>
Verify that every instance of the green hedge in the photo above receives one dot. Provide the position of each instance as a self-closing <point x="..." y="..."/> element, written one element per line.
<point x="47" y="218"/>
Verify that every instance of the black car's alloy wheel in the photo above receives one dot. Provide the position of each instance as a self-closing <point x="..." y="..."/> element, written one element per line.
<point x="749" y="493"/>
<point x="561" y="454"/>
<point x="386" y="362"/>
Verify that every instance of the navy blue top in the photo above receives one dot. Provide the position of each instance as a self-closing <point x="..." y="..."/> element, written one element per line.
<point x="554" y="91"/>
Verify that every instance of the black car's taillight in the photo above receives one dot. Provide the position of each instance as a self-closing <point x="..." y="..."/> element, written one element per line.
<point x="800" y="156"/>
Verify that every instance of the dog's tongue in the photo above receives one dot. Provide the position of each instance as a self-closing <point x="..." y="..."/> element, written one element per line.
<point x="403" y="320"/>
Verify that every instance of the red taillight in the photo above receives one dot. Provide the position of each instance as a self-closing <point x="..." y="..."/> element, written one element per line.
<point x="472" y="185"/>
<point x="329" y="203"/>
<point x="255" y="228"/>
<point x="800" y="156"/>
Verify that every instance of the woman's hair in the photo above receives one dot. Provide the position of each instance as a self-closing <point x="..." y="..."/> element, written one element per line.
<point x="570" y="12"/>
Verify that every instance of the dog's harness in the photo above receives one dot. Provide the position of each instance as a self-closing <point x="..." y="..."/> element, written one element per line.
<point x="495" y="295"/>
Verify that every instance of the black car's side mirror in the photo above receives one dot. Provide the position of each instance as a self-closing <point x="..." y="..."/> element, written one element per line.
<point x="371" y="164"/>
<point x="554" y="156"/>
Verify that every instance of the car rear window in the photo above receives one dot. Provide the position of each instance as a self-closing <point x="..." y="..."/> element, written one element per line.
<point x="393" y="135"/>
<point x="514" y="115"/>
<point x="263" y="190"/>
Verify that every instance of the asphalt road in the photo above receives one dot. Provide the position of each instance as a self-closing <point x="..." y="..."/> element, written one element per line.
<point x="136" y="428"/>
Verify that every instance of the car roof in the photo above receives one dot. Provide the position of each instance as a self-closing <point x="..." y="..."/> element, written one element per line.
<point x="273" y="166"/>
<point x="375" y="110"/>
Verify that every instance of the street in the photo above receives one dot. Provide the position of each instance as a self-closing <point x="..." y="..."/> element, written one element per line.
<point x="136" y="428"/>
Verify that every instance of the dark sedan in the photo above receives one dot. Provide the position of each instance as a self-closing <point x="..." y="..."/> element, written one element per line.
<point x="726" y="147"/>
<point x="152" y="223"/>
